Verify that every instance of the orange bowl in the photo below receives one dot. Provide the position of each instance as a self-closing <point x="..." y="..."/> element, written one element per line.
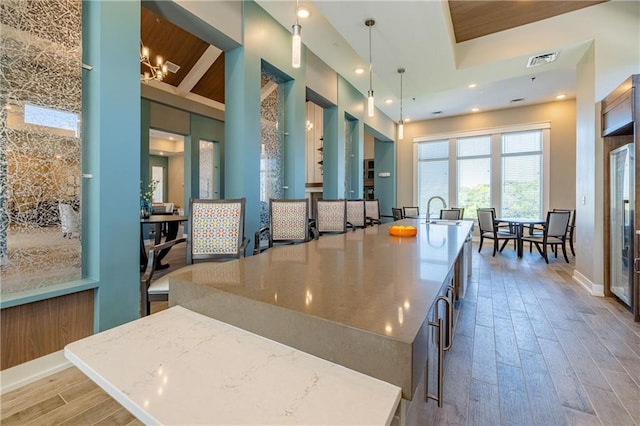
<point x="403" y="231"/>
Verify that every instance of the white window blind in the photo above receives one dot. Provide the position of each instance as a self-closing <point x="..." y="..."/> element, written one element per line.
<point x="433" y="171"/>
<point x="474" y="174"/>
<point x="522" y="174"/>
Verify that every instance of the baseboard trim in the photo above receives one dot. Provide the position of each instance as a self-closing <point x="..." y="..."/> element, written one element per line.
<point x="593" y="288"/>
<point x="28" y="372"/>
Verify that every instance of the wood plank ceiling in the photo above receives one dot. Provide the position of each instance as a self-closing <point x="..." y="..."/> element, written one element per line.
<point x="184" y="49"/>
<point x="473" y="19"/>
<point x="470" y="19"/>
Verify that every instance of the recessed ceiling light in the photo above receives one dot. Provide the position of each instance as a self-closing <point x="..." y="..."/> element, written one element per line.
<point x="472" y="85"/>
<point x="406" y="120"/>
<point x="388" y="101"/>
<point x="161" y="153"/>
<point x="561" y="96"/>
<point x="170" y="138"/>
<point x="303" y="13"/>
<point x="359" y="71"/>
<point x="475" y="109"/>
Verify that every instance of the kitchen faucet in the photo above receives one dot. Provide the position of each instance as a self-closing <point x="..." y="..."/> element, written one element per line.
<point x="444" y="205"/>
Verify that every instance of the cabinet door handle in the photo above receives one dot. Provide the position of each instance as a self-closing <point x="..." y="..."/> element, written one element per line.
<point x="636" y="265"/>
<point x="449" y="313"/>
<point x="438" y="396"/>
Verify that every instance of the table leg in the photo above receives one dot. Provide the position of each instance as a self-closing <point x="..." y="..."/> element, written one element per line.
<point x="172" y="233"/>
<point x="519" y="233"/>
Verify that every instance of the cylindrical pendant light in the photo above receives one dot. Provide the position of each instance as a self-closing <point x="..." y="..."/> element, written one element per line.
<point x="370" y="101"/>
<point x="296" y="42"/>
<point x="401" y="122"/>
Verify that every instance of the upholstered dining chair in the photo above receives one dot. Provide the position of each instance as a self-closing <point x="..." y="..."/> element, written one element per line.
<point x="288" y="224"/>
<point x="488" y="229"/>
<point x="397" y="213"/>
<point x="372" y="209"/>
<point x="450" y="214"/>
<point x="410" y="211"/>
<point x="356" y="214"/>
<point x="554" y="234"/>
<point x="216" y="232"/>
<point x="331" y="216"/>
<point x="570" y="228"/>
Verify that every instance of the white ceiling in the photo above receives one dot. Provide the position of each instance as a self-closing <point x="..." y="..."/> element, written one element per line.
<point x="418" y="36"/>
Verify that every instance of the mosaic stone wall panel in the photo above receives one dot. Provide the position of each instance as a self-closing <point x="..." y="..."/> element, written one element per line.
<point x="349" y="131"/>
<point x="206" y="170"/>
<point x="272" y="144"/>
<point x="40" y="145"/>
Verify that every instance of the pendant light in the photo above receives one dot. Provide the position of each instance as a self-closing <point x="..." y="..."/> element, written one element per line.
<point x="401" y="122"/>
<point x="296" y="42"/>
<point x="370" y="106"/>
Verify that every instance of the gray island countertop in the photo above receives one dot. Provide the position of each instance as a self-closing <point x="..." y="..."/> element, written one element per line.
<point x="359" y="299"/>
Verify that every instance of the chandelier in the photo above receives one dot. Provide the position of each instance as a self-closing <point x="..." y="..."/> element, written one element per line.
<point x="152" y="72"/>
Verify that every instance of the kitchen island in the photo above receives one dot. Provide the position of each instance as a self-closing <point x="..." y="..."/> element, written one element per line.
<point x="363" y="299"/>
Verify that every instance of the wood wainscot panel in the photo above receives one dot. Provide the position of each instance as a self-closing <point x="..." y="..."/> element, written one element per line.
<point x="36" y="329"/>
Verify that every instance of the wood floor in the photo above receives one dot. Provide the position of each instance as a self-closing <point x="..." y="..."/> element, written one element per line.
<point x="531" y="347"/>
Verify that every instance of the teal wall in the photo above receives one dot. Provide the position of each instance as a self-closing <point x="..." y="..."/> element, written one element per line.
<point x="201" y="128"/>
<point x="350" y="103"/>
<point x="263" y="41"/>
<point x="385" y="157"/>
<point x="111" y="153"/>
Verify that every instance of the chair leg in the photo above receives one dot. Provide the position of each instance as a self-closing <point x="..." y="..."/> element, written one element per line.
<point x="495" y="247"/>
<point x="480" y="246"/>
<point x="504" y="245"/>
<point x="564" y="252"/>
<point x="545" y="254"/>
<point x="571" y="247"/>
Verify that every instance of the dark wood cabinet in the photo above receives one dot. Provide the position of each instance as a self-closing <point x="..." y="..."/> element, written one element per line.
<point x="620" y="126"/>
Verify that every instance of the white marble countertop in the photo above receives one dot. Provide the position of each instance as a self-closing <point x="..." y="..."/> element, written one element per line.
<point x="180" y="367"/>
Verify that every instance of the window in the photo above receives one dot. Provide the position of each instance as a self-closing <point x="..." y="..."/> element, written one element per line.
<point x="474" y="174"/>
<point x="521" y="176"/>
<point x="505" y="168"/>
<point x="433" y="171"/>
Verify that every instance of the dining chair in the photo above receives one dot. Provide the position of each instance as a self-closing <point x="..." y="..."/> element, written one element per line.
<point x="554" y="234"/>
<point x="458" y="208"/>
<point x="331" y="216"/>
<point x="489" y="229"/>
<point x="410" y="211"/>
<point x="397" y="213"/>
<point x="288" y="224"/>
<point x="372" y="209"/>
<point x="570" y="228"/>
<point x="356" y="214"/>
<point x="450" y="214"/>
<point x="216" y="232"/>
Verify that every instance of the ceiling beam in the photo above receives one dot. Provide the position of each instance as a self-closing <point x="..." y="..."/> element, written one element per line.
<point x="199" y="69"/>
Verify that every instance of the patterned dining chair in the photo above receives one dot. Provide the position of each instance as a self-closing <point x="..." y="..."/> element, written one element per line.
<point x="288" y="224"/>
<point x="372" y="209"/>
<point x="331" y="216"/>
<point x="216" y="232"/>
<point x="356" y="214"/>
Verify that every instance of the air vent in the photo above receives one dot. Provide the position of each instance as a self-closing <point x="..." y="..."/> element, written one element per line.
<point x="171" y="67"/>
<point x="436" y="112"/>
<point x="515" y="101"/>
<point x="545" y="58"/>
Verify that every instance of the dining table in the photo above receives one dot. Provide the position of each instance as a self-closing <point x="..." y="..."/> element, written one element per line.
<point x="518" y="224"/>
<point x="157" y="221"/>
